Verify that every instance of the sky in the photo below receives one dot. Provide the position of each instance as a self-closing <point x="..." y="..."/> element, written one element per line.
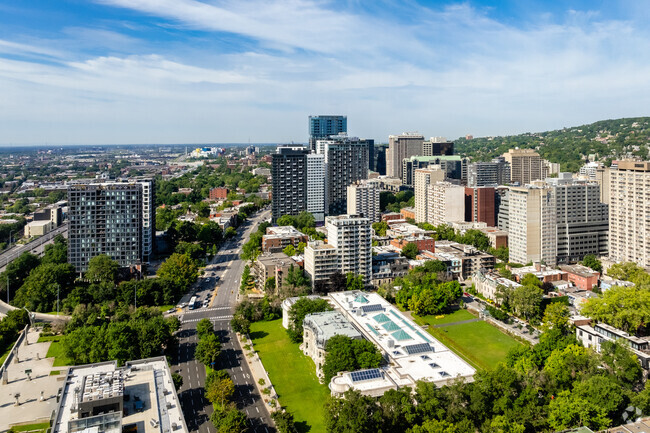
<point x="213" y="71"/>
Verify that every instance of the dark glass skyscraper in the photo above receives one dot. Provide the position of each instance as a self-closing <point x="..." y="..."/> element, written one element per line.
<point x="321" y="127"/>
<point x="289" y="180"/>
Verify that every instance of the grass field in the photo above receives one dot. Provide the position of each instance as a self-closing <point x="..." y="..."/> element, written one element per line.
<point x="456" y="316"/>
<point x="39" y="427"/>
<point x="293" y="375"/>
<point x="479" y="343"/>
<point x="56" y="351"/>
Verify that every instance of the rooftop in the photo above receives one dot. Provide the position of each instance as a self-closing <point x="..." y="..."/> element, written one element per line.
<point x="282" y="232"/>
<point x="327" y="324"/>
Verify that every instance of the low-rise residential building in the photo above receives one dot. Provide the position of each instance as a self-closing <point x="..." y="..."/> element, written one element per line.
<point x="402" y="229"/>
<point x="274" y="265"/>
<point x="218" y="193"/>
<point x="411" y="352"/>
<point x="318" y="328"/>
<point x="424" y="243"/>
<point x="594" y="336"/>
<point x="581" y="276"/>
<point x="486" y="283"/>
<point x="544" y="273"/>
<point x="471" y="259"/>
<point x="390" y="216"/>
<point x="387" y="265"/>
<point x="278" y="238"/>
<point x="407" y="212"/>
<point x="93" y="399"/>
<point x="38" y="228"/>
<point x="321" y="261"/>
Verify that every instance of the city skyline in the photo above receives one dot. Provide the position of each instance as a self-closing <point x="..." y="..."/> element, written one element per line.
<point x="138" y="72"/>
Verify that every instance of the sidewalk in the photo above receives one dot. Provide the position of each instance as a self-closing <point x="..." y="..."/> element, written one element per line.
<point x="31" y="356"/>
<point x="258" y="372"/>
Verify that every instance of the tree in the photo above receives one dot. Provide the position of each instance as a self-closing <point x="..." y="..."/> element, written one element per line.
<point x="626" y="308"/>
<point x="269" y="285"/>
<point x="219" y="388"/>
<point x="355" y="413"/>
<point x="208" y="349"/>
<point x="592" y="262"/>
<point x="180" y="270"/>
<point x="230" y="232"/>
<point x="300" y="249"/>
<point x="530" y="280"/>
<point x="204" y="327"/>
<point x="240" y="324"/>
<point x="18" y="270"/>
<point x="246" y="279"/>
<point x="347" y="354"/>
<point x="410" y="250"/>
<point x="337" y="281"/>
<point x="284" y="422"/>
<point x="435" y="426"/>
<point x="380" y="228"/>
<point x="526" y="300"/>
<point x="229" y="420"/>
<point x="102" y="268"/>
<point x="556" y="316"/>
<point x="289" y="250"/>
<point x="39" y="291"/>
<point x="286" y="220"/>
<point x="178" y="381"/>
<point x="295" y="277"/>
<point x="354" y="282"/>
<point x="568" y="410"/>
<point x="299" y="310"/>
<point x="56" y="252"/>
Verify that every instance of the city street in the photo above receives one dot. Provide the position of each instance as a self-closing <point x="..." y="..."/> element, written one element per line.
<point x="228" y="267"/>
<point x="35" y="247"/>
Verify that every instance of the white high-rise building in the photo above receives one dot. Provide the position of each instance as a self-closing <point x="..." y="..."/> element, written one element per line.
<point x="363" y="199"/>
<point x="316" y="185"/>
<point x="446" y="203"/>
<point x="422" y="179"/>
<point x="629" y="213"/>
<point x="321" y="261"/>
<point x="351" y="236"/>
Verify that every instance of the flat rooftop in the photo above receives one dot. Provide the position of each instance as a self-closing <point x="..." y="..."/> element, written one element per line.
<point x="327" y="324"/>
<point x="152" y="405"/>
<point x="413" y="354"/>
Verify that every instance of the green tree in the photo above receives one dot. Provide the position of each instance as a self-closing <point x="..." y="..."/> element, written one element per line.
<point x="295" y="277"/>
<point x="355" y="413"/>
<point x="556" y="316"/>
<point x="354" y="282"/>
<point x="284" y="422"/>
<point x="246" y="279"/>
<point x="526" y="300"/>
<point x="300" y="249"/>
<point x="39" y="291"/>
<point x="289" y="250"/>
<point x="208" y="349"/>
<point x="102" y="268"/>
<point x="178" y="381"/>
<point x="410" y="251"/>
<point x="592" y="262"/>
<point x="568" y="410"/>
<point x="299" y="310"/>
<point x="380" y="228"/>
<point x="17" y="271"/>
<point x="346" y="354"/>
<point x="434" y="426"/>
<point x="626" y="308"/>
<point x="56" y="252"/>
<point x="204" y="327"/>
<point x="219" y="388"/>
<point x="229" y="420"/>
<point x="530" y="280"/>
<point x="180" y="270"/>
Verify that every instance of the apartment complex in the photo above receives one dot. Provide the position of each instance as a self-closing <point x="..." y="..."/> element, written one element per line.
<point x="525" y="166"/>
<point x="363" y="199"/>
<point x="401" y="147"/>
<point x="453" y="166"/>
<point x="437" y="146"/>
<point x="422" y="179"/>
<point x="111" y="218"/>
<point x="446" y="202"/>
<point x="289" y="180"/>
<point x="321" y="261"/>
<point x="480" y="205"/>
<point x="493" y="173"/>
<point x="629" y="213"/>
<point x="219" y="193"/>
<point x="316" y="186"/>
<point x="346" y="160"/>
<point x="351" y="236"/>
<point x="278" y="238"/>
<point x="321" y="127"/>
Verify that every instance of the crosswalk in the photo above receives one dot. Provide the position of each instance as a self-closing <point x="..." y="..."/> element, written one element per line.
<point x="212" y="319"/>
<point x="203" y="310"/>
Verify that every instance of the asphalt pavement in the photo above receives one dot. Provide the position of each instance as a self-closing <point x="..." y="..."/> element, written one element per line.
<point x="36" y="246"/>
<point x="228" y="267"/>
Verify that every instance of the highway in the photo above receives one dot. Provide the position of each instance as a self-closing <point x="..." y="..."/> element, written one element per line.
<point x="222" y="297"/>
<point x="36" y="246"/>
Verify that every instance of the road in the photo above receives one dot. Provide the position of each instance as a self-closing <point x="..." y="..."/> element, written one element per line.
<point x="228" y="267"/>
<point x="36" y="246"/>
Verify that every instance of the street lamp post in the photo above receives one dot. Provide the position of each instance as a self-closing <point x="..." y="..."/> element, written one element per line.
<point x="57" y="298"/>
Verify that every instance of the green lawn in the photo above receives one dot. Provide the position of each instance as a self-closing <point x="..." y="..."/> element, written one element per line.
<point x="39" y="427"/>
<point x="4" y="355"/>
<point x="56" y="351"/>
<point x="479" y="343"/>
<point x="456" y="316"/>
<point x="43" y="339"/>
<point x="293" y="375"/>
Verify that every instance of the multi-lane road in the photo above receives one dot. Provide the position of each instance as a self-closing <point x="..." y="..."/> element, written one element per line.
<point x="222" y="296"/>
<point x="35" y="247"/>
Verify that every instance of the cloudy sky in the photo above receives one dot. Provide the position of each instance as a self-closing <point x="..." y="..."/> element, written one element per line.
<point x="213" y="71"/>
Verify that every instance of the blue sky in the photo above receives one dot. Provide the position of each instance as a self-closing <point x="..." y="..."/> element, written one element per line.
<point x="192" y="71"/>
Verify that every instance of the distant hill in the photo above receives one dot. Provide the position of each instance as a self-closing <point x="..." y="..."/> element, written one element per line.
<point x="607" y="139"/>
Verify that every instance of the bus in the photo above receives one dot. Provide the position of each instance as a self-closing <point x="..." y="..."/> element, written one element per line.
<point x="192" y="305"/>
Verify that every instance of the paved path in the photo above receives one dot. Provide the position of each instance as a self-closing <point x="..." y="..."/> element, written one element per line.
<point x="442" y="325"/>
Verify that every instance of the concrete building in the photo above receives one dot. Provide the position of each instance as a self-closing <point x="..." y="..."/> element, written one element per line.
<point x="321" y="261"/>
<point x="219" y="193"/>
<point x="593" y="336"/>
<point x="437" y="146"/>
<point x="322" y="126"/>
<point x="38" y="228"/>
<point x="346" y="160"/>
<point x="486" y="283"/>
<point x="468" y="257"/>
<point x="454" y="167"/>
<point x="532" y="235"/>
<point x="525" y="165"/>
<point x="422" y="179"/>
<point x="582" y="277"/>
<point x="629" y="207"/>
<point x="112" y="218"/>
<point x="602" y="178"/>
<point x="446" y="203"/>
<point x="503" y="208"/>
<point x="275" y="265"/>
<point x="480" y="205"/>
<point x="278" y="238"/>
<point x="289" y="180"/>
<point x="493" y="173"/>
<point x="316" y="186"/>
<point x="378" y="160"/>
<point x="93" y="399"/>
<point x="545" y="274"/>
<point x="363" y="199"/>
<point x="318" y="328"/>
<point x="401" y="147"/>
<point x="52" y="213"/>
<point x="351" y="236"/>
<point x="411" y="353"/>
<point x="582" y="220"/>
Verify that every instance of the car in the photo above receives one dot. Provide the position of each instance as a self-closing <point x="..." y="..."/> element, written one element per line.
<point x="216" y="278"/>
<point x="170" y="311"/>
